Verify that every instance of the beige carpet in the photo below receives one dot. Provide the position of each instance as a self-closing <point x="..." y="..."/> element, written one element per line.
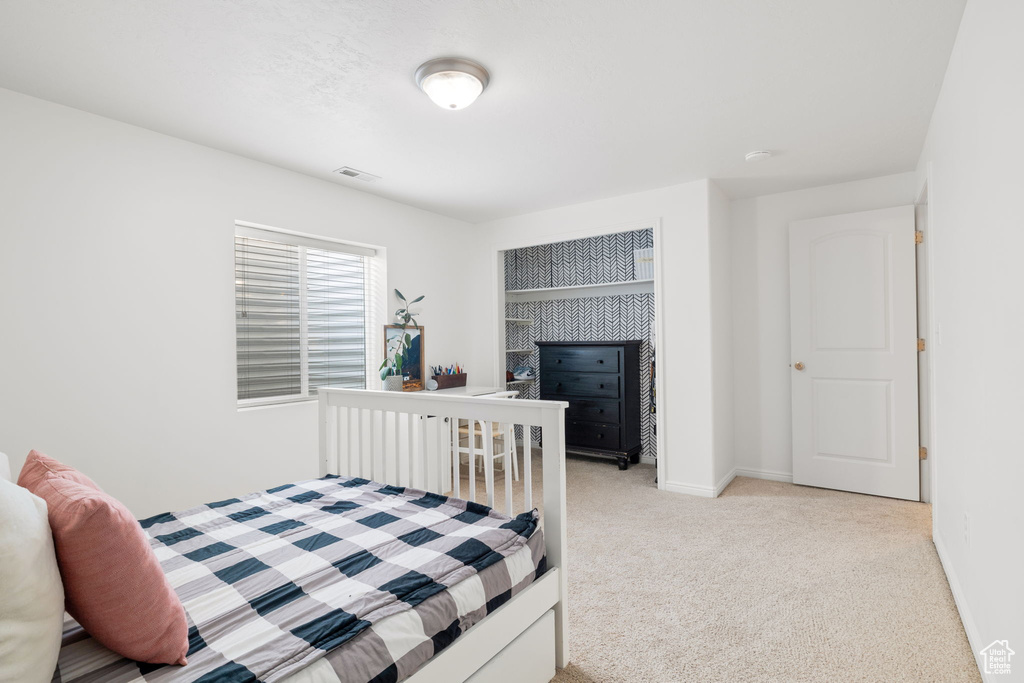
<point x="769" y="582"/>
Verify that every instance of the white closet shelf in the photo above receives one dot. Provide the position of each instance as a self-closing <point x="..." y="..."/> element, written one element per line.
<point x="577" y="291"/>
<point x="523" y="352"/>
<point x="519" y="381"/>
<point x="519" y="321"/>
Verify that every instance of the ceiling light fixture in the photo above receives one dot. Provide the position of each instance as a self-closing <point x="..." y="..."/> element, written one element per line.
<point x="451" y="82"/>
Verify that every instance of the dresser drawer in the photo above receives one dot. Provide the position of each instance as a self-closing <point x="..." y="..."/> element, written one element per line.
<point x="592" y="435"/>
<point x="585" y="385"/>
<point x="580" y="359"/>
<point x="593" y="410"/>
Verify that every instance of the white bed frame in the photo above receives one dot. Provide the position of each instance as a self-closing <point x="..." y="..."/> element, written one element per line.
<point x="405" y="439"/>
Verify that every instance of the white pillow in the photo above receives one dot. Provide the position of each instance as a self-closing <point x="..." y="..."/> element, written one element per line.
<point x="32" y="598"/>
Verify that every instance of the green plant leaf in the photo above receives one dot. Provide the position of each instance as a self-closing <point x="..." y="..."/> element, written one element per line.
<point x="384" y="374"/>
<point x="383" y="365"/>
<point x="416" y="300"/>
<point x="400" y="296"/>
<point x="398" y="365"/>
<point x="408" y="340"/>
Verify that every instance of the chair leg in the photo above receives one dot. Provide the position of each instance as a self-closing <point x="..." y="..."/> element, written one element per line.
<point x="510" y="451"/>
<point x="480" y="450"/>
<point x="497" y="452"/>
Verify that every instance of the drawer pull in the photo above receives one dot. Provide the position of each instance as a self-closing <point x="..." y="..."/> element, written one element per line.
<point x="602" y="386"/>
<point x="559" y="360"/>
<point x="601" y="411"/>
<point x="601" y="361"/>
<point x="600" y="436"/>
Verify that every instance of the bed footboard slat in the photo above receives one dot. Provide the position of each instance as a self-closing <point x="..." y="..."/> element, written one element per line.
<point x="487" y="436"/>
<point x="528" y="467"/>
<point x="456" y="457"/>
<point x="509" y="444"/>
<point x="387" y="474"/>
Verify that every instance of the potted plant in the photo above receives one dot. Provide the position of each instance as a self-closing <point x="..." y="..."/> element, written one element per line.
<point x="397" y="348"/>
<point x="391" y="368"/>
<point x="403" y="316"/>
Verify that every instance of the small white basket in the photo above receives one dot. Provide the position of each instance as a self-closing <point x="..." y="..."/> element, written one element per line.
<point x="643" y="264"/>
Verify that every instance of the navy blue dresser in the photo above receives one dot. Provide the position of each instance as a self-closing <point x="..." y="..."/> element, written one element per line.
<point x="601" y="382"/>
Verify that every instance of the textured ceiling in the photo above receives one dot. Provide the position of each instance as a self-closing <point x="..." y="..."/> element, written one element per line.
<point x="588" y="98"/>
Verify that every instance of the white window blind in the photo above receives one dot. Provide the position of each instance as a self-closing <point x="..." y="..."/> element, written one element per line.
<point x="300" y="315"/>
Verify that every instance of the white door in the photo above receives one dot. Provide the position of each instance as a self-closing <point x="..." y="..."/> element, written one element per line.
<point x="853" y="311"/>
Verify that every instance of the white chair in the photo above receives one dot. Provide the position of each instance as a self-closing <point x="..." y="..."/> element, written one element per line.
<point x="501" y="434"/>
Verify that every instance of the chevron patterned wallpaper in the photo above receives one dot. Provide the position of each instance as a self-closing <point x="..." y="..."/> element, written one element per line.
<point x="604" y="318"/>
<point x="589" y="261"/>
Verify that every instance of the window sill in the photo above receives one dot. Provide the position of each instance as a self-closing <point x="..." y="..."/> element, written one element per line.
<point x="260" y="403"/>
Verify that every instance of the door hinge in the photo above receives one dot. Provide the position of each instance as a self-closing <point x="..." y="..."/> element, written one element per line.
<point x="924" y="452"/>
<point x="920" y="344"/>
<point x="918" y="237"/>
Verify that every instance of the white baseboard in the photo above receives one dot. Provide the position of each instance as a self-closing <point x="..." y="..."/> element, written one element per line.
<point x="973" y="637"/>
<point x="770" y="475"/>
<point x="716" y="490"/>
<point x="690" y="489"/>
<point x="702" y="491"/>
<point x="723" y="482"/>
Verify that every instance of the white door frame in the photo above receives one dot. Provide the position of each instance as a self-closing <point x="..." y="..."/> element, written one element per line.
<point x="926" y="304"/>
<point x="498" y="305"/>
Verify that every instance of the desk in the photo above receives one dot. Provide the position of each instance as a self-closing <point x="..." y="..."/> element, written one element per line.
<point x="468" y="391"/>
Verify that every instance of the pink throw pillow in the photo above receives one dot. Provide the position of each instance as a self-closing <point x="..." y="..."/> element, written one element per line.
<point x="113" y="583"/>
<point x="38" y="466"/>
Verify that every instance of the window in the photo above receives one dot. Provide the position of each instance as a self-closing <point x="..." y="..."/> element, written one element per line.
<point x="301" y="314"/>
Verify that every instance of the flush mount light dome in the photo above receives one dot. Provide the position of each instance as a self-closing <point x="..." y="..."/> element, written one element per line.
<point x="452" y="83"/>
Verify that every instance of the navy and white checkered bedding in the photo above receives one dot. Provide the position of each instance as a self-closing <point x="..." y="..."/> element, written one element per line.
<point x="367" y="581"/>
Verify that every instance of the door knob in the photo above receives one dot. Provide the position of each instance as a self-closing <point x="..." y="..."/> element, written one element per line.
<point x="799" y="366"/>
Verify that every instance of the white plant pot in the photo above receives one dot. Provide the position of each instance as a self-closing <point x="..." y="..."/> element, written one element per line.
<point x="393" y="383"/>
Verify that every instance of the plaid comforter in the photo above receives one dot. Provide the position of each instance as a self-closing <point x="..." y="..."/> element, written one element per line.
<point x="274" y="581"/>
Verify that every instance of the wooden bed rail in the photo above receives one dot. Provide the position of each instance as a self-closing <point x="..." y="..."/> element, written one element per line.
<point x="406" y="439"/>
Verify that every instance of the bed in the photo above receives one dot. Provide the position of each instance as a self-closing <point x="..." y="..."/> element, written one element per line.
<point x="369" y="573"/>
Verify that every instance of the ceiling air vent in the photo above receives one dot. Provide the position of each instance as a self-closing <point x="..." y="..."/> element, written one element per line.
<point x="357" y="174"/>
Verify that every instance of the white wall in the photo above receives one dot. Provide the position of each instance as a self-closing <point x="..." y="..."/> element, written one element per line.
<point x="720" y="245"/>
<point x="685" y="412"/>
<point x="974" y="176"/>
<point x="117" y="343"/>
<point x="760" y="278"/>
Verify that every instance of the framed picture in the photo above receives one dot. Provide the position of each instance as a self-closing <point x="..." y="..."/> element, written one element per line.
<point x="408" y="343"/>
